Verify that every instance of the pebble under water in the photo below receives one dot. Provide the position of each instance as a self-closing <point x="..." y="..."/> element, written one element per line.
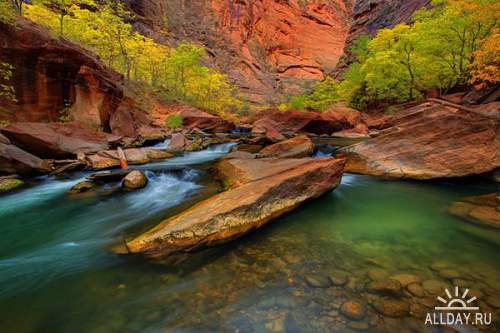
<point x="294" y="275"/>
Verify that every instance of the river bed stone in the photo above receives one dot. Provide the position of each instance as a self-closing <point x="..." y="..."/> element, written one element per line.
<point x="353" y="309"/>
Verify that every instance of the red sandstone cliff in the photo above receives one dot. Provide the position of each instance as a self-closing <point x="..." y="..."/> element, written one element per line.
<point x="271" y="48"/>
<point x="52" y="74"/>
<point x="268" y="47"/>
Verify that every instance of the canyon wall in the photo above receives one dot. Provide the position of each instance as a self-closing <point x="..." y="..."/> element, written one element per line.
<point x="271" y="48"/>
<point x="55" y="78"/>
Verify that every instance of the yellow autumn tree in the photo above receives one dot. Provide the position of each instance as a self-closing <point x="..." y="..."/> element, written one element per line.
<point x="486" y="65"/>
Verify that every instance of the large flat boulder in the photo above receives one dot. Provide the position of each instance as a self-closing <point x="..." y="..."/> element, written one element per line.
<point x="238" y="171"/>
<point x="236" y="212"/>
<point x="299" y="146"/>
<point x="14" y="160"/>
<point x="55" y="140"/>
<point x="428" y="141"/>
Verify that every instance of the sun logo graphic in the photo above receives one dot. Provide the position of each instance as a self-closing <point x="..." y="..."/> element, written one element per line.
<point x="459" y="302"/>
<point x="457" y="309"/>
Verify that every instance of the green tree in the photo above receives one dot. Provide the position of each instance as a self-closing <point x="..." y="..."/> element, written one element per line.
<point x="6" y="13"/>
<point x="6" y="89"/>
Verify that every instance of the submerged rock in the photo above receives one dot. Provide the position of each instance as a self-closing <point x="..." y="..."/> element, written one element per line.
<point x="391" y="307"/>
<point x="318" y="281"/>
<point x="482" y="210"/>
<point x="299" y="146"/>
<point x="434" y="287"/>
<point x="429" y="141"/>
<point x="338" y="278"/>
<point x="387" y="287"/>
<point x="353" y="310"/>
<point x="415" y="289"/>
<point x="405" y="279"/>
<point x="236" y="212"/>
<point x="135" y="179"/>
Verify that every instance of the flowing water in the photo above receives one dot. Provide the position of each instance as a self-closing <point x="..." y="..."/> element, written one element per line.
<point x="57" y="275"/>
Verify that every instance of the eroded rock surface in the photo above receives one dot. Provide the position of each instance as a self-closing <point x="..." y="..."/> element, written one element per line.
<point x="299" y="146"/>
<point x="267" y="47"/>
<point x="482" y="210"/>
<point x="55" y="140"/>
<point x="52" y="73"/>
<point x="428" y="141"/>
<point x="238" y="211"/>
<point x="240" y="171"/>
<point x="14" y="160"/>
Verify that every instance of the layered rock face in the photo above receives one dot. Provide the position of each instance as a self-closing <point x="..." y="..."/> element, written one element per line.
<point x="271" y="48"/>
<point x="267" y="47"/>
<point x="52" y="75"/>
<point x="431" y="140"/>
<point x="240" y="210"/>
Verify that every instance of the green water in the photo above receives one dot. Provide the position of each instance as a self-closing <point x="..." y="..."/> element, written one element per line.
<point x="56" y="274"/>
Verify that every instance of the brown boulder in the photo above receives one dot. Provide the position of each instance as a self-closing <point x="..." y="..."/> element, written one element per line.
<point x="238" y="171"/>
<point x="98" y="162"/>
<point x="195" y="118"/>
<point x="240" y="155"/>
<point x="178" y="143"/>
<point x="121" y="123"/>
<point x="299" y="146"/>
<point x="268" y="128"/>
<point x="134" y="180"/>
<point x="14" y="160"/>
<point x="482" y="210"/>
<point x="149" y="133"/>
<point x="110" y="158"/>
<point x="333" y="120"/>
<point x="234" y="213"/>
<point x="429" y="141"/>
<point x="55" y="140"/>
<point x="130" y="120"/>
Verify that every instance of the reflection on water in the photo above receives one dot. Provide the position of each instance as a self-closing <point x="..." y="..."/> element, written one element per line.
<point x="57" y="276"/>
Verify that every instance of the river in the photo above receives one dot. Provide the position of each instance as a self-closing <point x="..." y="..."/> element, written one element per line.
<point x="58" y="275"/>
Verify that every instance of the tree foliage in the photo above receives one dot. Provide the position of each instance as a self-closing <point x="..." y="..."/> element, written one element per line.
<point x="6" y="89"/>
<point x="486" y="65"/>
<point x="174" y="121"/>
<point x="451" y="44"/>
<point x="6" y="13"/>
<point x="104" y="28"/>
